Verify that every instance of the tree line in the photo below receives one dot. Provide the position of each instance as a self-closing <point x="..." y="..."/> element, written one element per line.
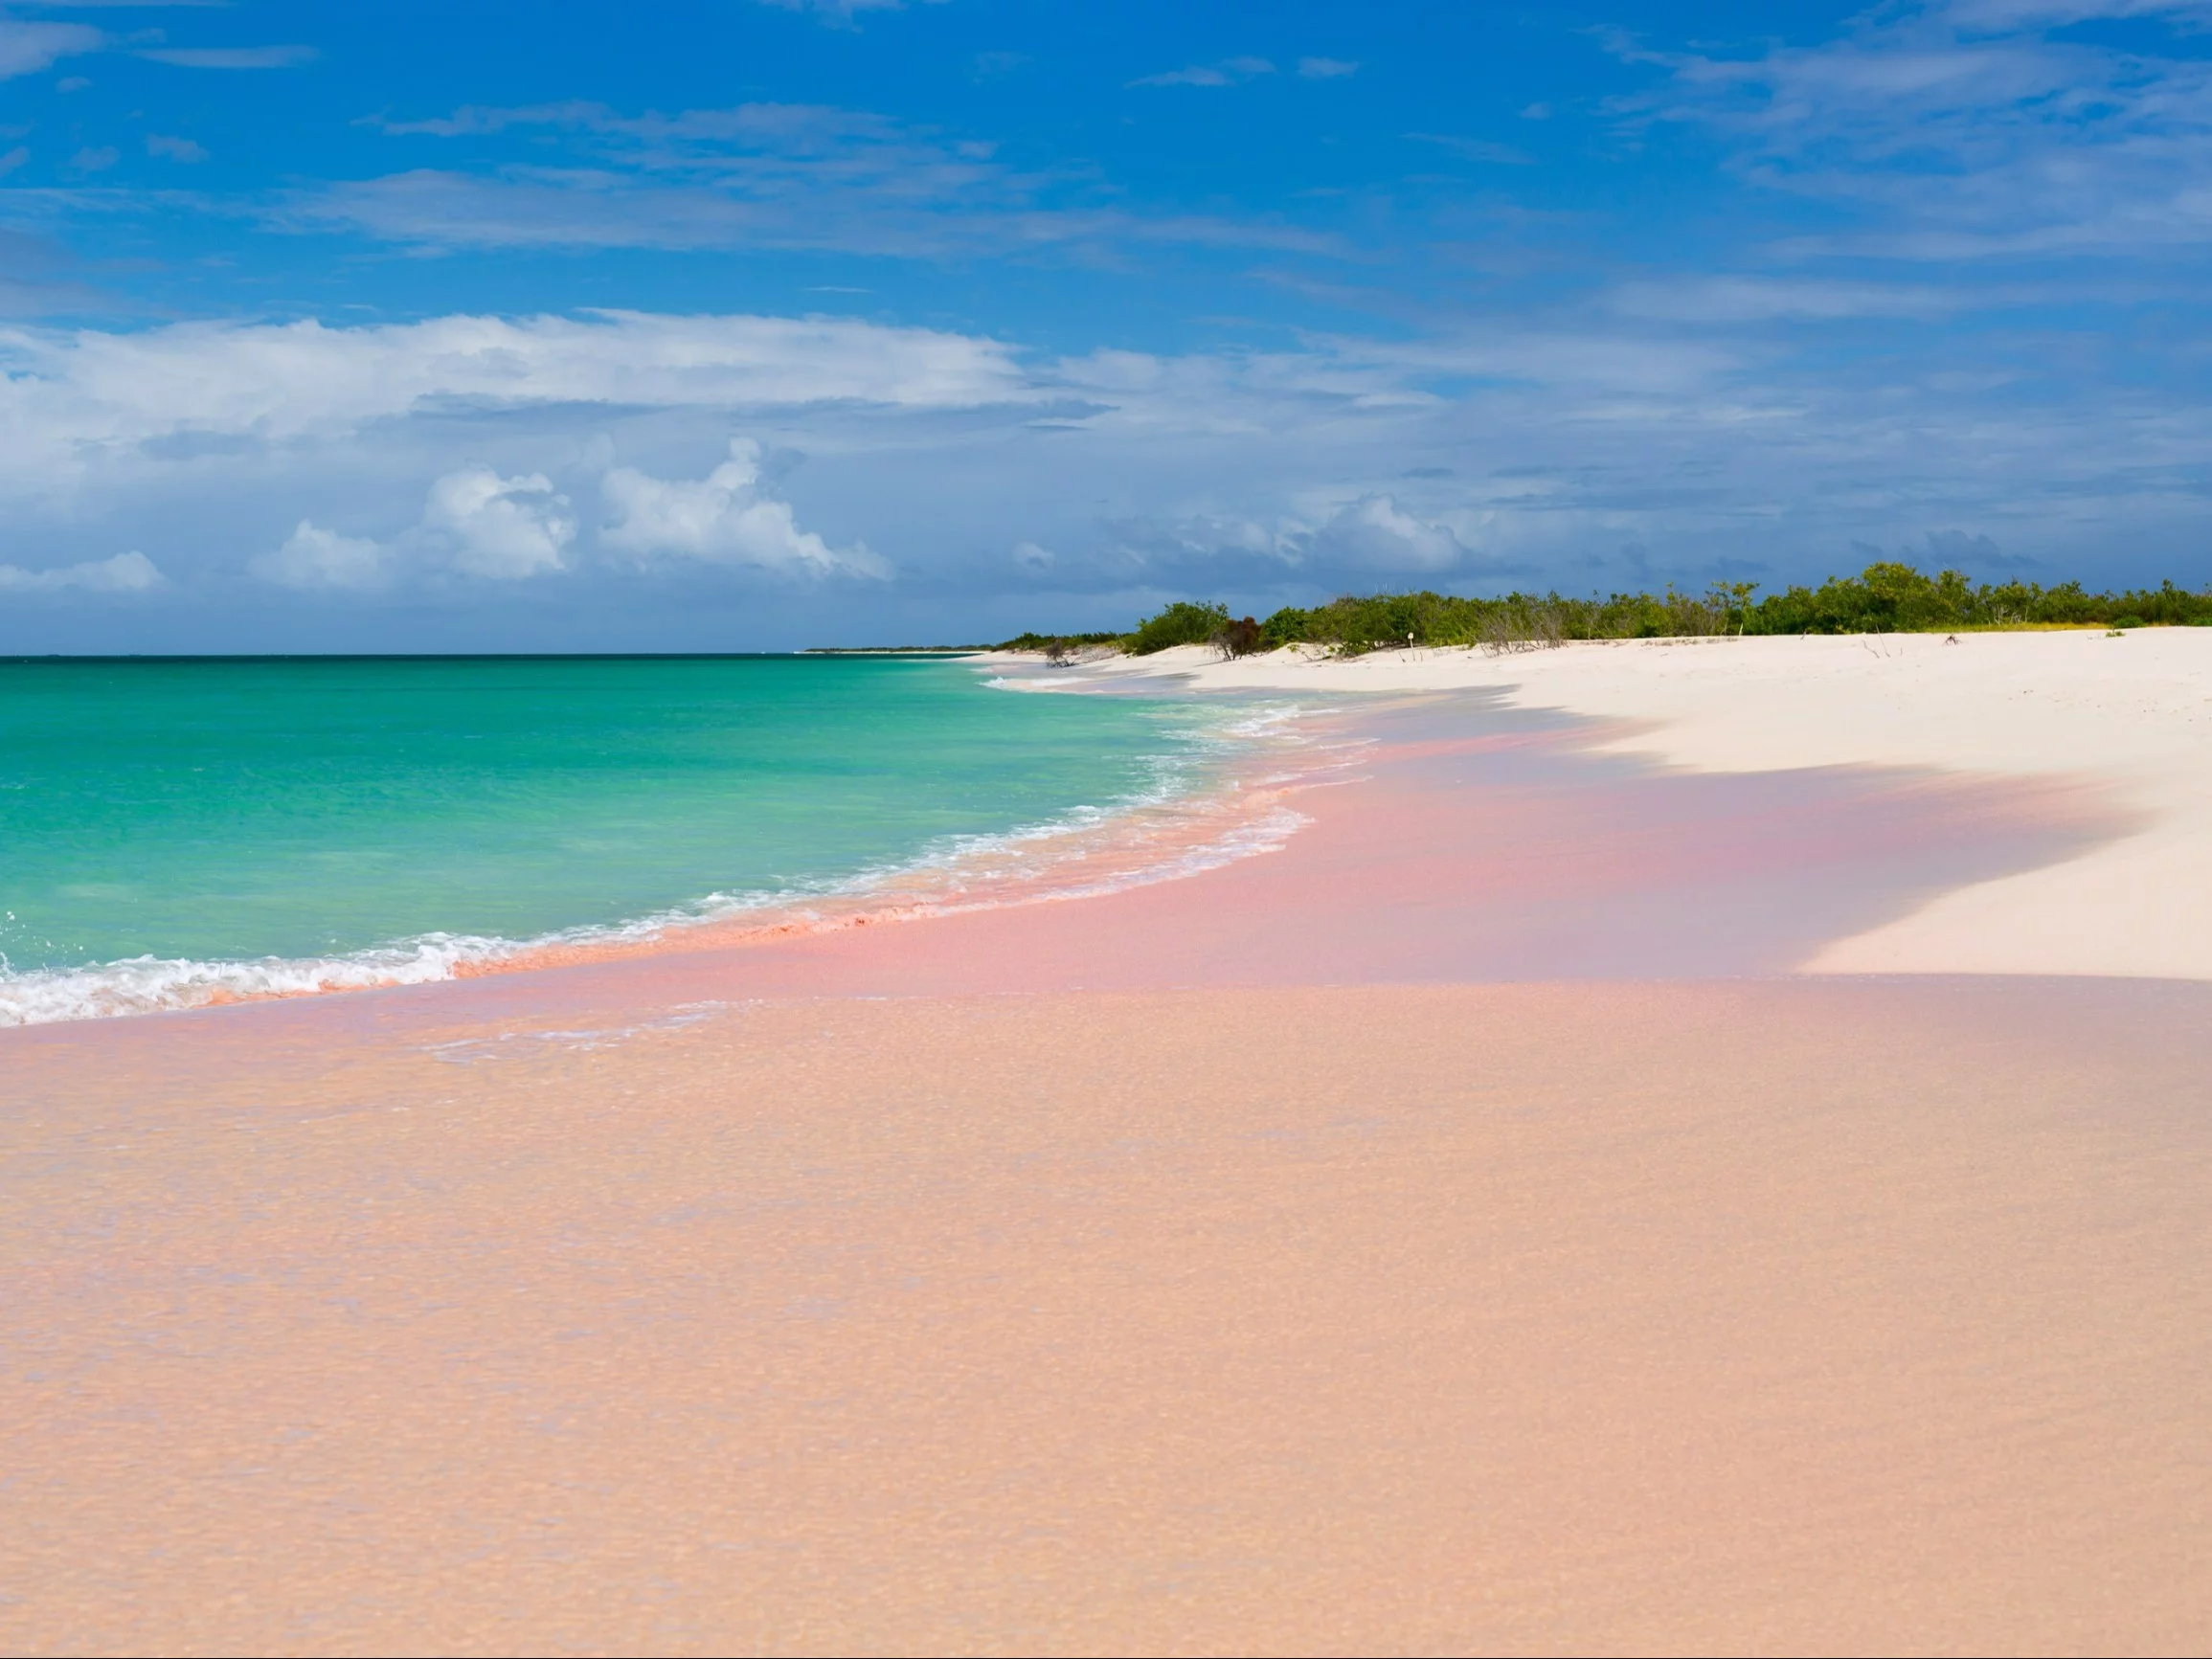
<point x="1887" y="597"/>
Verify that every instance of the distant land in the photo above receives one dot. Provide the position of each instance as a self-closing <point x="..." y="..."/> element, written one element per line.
<point x="1884" y="599"/>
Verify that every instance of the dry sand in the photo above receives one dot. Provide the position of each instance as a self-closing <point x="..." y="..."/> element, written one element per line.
<point x="2134" y="713"/>
<point x="1231" y="1264"/>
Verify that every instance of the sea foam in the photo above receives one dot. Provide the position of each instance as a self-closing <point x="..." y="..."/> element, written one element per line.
<point x="1214" y="803"/>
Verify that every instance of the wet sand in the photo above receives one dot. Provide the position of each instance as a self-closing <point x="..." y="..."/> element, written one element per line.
<point x="1232" y="1263"/>
<point x="1673" y="1316"/>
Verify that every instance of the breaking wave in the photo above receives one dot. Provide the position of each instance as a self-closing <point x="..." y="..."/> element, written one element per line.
<point x="1218" y="801"/>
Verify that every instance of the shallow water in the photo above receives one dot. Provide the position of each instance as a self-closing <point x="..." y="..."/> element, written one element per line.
<point x="385" y="819"/>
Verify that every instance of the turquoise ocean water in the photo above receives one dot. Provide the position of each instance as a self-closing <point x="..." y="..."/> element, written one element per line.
<point x="169" y="825"/>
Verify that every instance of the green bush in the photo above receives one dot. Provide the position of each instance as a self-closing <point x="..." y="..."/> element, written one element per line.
<point x="1886" y="597"/>
<point x="1065" y="641"/>
<point x="1182" y="623"/>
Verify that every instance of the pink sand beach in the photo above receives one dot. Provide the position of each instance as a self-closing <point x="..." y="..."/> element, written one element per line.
<point x="1605" y="1180"/>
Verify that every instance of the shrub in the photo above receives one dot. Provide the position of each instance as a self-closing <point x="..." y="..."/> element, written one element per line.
<point x="1239" y="639"/>
<point x="1888" y="596"/>
<point x="1182" y="623"/>
<point x="1064" y="642"/>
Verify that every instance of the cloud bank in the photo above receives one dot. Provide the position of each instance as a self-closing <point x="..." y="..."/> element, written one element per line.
<point x="622" y="456"/>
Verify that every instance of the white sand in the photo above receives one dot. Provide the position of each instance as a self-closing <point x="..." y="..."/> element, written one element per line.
<point x="2130" y="716"/>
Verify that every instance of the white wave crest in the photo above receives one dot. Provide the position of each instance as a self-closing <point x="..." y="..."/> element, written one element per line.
<point x="157" y="984"/>
<point x="1174" y="828"/>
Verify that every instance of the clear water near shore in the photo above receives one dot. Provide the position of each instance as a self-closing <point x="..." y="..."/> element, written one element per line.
<point x="177" y="832"/>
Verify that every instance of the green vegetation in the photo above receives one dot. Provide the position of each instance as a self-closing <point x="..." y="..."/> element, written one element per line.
<point x="1884" y="599"/>
<point x="1182" y="623"/>
<point x="1063" y="642"/>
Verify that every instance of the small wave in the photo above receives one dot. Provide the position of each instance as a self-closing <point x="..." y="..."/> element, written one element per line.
<point x="1176" y="827"/>
<point x="157" y="984"/>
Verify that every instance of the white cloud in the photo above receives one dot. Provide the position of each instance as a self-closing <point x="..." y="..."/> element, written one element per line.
<point x="1375" y="533"/>
<point x="73" y="403"/>
<point x="182" y="149"/>
<point x="232" y="56"/>
<point x="1196" y="76"/>
<point x="800" y="176"/>
<point x="1326" y="68"/>
<point x="93" y="161"/>
<point x="131" y="572"/>
<point x="474" y="523"/>
<point x="1969" y="129"/>
<point x="314" y="558"/>
<point x="14" y="158"/>
<point x="504" y="529"/>
<point x="1367" y="534"/>
<point x="1722" y="298"/>
<point x="1229" y="69"/>
<point x="26" y="48"/>
<point x="1475" y="148"/>
<point x="1480" y="454"/>
<point x="835" y="10"/>
<point x="727" y="518"/>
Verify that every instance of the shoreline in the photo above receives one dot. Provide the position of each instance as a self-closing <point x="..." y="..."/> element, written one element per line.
<point x="1462" y="1228"/>
<point x="1180" y="825"/>
<point x="2124" y="720"/>
<point x="2128" y="716"/>
<point x="1413" y="836"/>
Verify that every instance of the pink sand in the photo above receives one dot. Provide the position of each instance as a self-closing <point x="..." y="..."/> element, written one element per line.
<point x="1168" y="1271"/>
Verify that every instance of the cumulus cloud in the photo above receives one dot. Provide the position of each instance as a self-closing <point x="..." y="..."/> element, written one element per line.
<point x="1300" y="470"/>
<point x="474" y="523"/>
<point x="1375" y="533"/>
<point x="1326" y="68"/>
<point x="26" y="48"/>
<point x="131" y="572"/>
<point x="504" y="529"/>
<point x="726" y="518"/>
<point x="314" y="559"/>
<point x="1368" y="534"/>
<point x="182" y="149"/>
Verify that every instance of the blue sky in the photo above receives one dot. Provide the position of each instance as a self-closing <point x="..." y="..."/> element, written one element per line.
<point x="745" y="325"/>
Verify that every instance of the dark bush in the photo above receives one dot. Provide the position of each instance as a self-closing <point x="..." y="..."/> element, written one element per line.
<point x="1239" y="639"/>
